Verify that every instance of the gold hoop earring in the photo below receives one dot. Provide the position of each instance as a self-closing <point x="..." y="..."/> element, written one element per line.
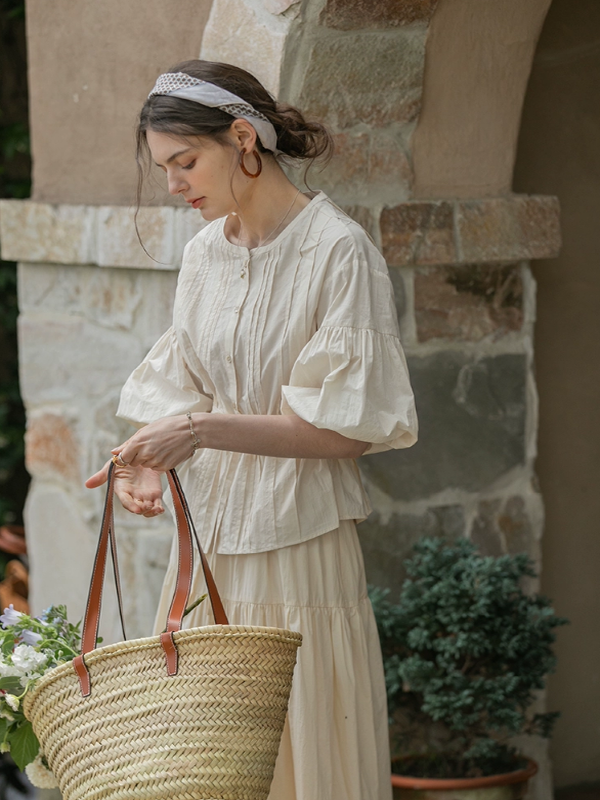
<point x="258" y="164"/>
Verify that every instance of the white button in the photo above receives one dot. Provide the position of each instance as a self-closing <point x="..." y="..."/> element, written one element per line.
<point x="236" y="310"/>
<point x="228" y="358"/>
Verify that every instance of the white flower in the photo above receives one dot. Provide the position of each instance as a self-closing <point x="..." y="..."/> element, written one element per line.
<point x="9" y="671"/>
<point x="4" y="747"/>
<point x="24" y="657"/>
<point x="12" y="701"/>
<point x="40" y="775"/>
<point x="10" y="616"/>
<point x="30" y="637"/>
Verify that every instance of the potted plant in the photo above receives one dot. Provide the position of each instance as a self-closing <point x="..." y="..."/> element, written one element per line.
<point x="466" y="650"/>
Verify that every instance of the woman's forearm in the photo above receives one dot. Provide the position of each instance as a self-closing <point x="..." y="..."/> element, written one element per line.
<point x="282" y="436"/>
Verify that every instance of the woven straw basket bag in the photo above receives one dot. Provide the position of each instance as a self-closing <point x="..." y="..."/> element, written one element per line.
<point x="188" y="715"/>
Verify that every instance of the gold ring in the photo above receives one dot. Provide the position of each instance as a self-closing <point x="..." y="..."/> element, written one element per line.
<point x="120" y="462"/>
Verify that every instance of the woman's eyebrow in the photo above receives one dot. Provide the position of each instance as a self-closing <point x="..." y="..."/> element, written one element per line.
<point x="175" y="155"/>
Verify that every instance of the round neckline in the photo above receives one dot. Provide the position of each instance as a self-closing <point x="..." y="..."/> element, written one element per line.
<point x="237" y="248"/>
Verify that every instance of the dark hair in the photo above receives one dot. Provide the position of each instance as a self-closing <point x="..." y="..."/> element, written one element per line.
<point x="297" y="137"/>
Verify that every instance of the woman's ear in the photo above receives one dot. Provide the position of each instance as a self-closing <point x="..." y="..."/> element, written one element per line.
<point x="244" y="135"/>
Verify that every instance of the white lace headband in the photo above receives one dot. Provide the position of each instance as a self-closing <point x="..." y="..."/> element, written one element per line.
<point x="179" y="84"/>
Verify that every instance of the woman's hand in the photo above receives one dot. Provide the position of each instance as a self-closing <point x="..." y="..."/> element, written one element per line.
<point x="139" y="489"/>
<point x="160" y="446"/>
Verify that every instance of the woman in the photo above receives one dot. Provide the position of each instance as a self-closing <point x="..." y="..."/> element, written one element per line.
<point x="282" y="366"/>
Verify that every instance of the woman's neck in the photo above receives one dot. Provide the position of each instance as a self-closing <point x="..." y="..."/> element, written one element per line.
<point x="266" y="209"/>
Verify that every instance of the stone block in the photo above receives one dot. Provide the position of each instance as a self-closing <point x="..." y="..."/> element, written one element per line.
<point x="41" y="232"/>
<point x="503" y="525"/>
<point x="279" y="6"/>
<point x="468" y="303"/>
<point x="516" y="526"/>
<point x="492" y="230"/>
<point x="349" y="14"/>
<point x="503" y="229"/>
<point x="105" y="235"/>
<point x="144" y="548"/>
<point x="387" y="544"/>
<point x="61" y="549"/>
<point x="51" y="448"/>
<point x="397" y="280"/>
<point x="484" y="532"/>
<point x="66" y="358"/>
<point x="107" y="430"/>
<point x="187" y="223"/>
<point x="109" y="298"/>
<point x="363" y="162"/>
<point x="365" y="77"/>
<point x="155" y="313"/>
<point x="364" y="217"/>
<point x="418" y="233"/>
<point x="232" y="22"/>
<point x="58" y="538"/>
<point x="118" y="244"/>
<point x="472" y="414"/>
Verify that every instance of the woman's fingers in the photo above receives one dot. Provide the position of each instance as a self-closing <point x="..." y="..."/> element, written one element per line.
<point x="142" y="506"/>
<point x="128" y="454"/>
<point x="98" y="478"/>
<point x="140" y="492"/>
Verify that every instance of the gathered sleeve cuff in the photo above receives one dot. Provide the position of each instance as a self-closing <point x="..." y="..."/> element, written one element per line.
<point x="162" y="386"/>
<point x="354" y="381"/>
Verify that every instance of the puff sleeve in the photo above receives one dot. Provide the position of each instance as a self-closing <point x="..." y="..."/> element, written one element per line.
<point x="162" y="386"/>
<point x="351" y="376"/>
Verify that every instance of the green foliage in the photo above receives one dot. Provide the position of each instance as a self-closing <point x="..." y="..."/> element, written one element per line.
<point x="29" y="647"/>
<point x="24" y="745"/>
<point x="14" y="143"/>
<point x="13" y="480"/>
<point x="465" y="651"/>
<point x="12" y="9"/>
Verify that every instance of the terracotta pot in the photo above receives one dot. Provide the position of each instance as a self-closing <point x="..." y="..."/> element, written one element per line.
<point x="508" y="786"/>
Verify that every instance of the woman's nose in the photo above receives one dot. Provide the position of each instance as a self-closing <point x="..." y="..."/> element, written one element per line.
<point x="176" y="184"/>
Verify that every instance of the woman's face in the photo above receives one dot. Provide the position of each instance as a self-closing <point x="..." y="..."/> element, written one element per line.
<point x="200" y="171"/>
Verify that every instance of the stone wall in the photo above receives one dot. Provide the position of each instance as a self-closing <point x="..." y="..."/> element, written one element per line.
<point x="90" y="309"/>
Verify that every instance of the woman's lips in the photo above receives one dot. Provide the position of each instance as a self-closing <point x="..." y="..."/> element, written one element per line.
<point x="197" y="202"/>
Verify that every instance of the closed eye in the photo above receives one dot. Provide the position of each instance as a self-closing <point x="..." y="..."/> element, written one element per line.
<point x="191" y="165"/>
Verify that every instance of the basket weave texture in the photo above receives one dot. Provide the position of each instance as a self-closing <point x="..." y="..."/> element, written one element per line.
<point x="211" y="732"/>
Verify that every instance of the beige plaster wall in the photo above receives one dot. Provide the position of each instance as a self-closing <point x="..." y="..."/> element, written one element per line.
<point x="465" y="141"/>
<point x="559" y="153"/>
<point x="91" y="64"/>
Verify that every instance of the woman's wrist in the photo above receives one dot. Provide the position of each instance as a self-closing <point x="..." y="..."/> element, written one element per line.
<point x="197" y="422"/>
<point x="196" y="442"/>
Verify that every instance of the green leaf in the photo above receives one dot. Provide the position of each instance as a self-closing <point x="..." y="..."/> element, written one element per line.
<point x="24" y="745"/>
<point x="8" y="643"/>
<point x="11" y="685"/>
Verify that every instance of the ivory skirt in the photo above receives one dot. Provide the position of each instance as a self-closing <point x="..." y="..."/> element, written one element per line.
<point x="335" y="742"/>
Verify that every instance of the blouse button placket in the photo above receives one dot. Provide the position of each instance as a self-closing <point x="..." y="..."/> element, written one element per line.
<point x="235" y="320"/>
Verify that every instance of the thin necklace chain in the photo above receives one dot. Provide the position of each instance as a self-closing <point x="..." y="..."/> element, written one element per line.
<point x="279" y="224"/>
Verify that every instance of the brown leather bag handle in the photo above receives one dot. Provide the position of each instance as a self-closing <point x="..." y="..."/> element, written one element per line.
<point x="185" y="530"/>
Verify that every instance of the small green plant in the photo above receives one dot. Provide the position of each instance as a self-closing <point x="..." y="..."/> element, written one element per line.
<point x="465" y="652"/>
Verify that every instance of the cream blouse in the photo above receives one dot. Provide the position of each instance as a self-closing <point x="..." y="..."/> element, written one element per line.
<point x="305" y="324"/>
